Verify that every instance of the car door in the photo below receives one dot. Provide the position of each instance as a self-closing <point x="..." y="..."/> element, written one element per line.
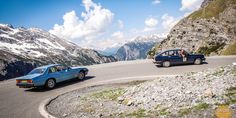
<point x="54" y="73"/>
<point x="70" y="73"/>
<point x="174" y="56"/>
<point x="189" y="58"/>
<point x="64" y="72"/>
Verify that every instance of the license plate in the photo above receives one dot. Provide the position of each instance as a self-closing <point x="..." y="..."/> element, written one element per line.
<point x="24" y="81"/>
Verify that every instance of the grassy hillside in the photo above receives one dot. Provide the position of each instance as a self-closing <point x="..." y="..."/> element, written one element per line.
<point x="212" y="10"/>
<point x="230" y="50"/>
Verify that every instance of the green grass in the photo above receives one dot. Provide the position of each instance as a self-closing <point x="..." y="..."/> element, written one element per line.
<point x="164" y="112"/>
<point x="137" y="114"/>
<point x="212" y="10"/>
<point x="230" y="50"/>
<point x="234" y="71"/>
<point x="206" y="50"/>
<point x="196" y="108"/>
<point x="201" y="106"/>
<point x="112" y="94"/>
<point x="184" y="111"/>
<point x="125" y="102"/>
<point x="231" y="95"/>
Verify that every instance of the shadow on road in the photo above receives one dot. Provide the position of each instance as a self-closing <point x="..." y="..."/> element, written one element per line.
<point x="59" y="85"/>
<point x="160" y="66"/>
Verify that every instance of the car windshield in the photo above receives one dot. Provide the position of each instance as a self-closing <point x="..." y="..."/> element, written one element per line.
<point x="37" y="71"/>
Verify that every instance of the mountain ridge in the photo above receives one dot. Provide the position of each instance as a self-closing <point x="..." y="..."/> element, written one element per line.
<point x="24" y="49"/>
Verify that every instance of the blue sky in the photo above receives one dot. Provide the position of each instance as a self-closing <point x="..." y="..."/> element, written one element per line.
<point x="109" y="23"/>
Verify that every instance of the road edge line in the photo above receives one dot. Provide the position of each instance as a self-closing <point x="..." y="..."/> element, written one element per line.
<point x="42" y="106"/>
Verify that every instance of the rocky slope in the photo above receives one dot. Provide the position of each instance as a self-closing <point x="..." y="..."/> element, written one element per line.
<point x="22" y="49"/>
<point x="211" y="30"/>
<point x="137" y="49"/>
<point x="192" y="95"/>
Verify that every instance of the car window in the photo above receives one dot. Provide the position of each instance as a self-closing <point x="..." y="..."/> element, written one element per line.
<point x="164" y="53"/>
<point x="61" y="68"/>
<point x="53" y="69"/>
<point x="172" y="53"/>
<point x="37" y="71"/>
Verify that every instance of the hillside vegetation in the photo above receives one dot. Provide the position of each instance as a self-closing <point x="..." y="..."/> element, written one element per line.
<point x="212" y="10"/>
<point x="211" y="30"/>
<point x="230" y="50"/>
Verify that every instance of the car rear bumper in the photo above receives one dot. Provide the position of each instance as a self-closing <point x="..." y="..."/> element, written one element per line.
<point x="25" y="85"/>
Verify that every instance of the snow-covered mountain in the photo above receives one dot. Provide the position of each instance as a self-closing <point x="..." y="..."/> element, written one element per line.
<point x="138" y="48"/>
<point x="23" y="49"/>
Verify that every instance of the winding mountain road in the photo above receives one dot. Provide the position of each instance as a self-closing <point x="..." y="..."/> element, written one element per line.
<point x="24" y="103"/>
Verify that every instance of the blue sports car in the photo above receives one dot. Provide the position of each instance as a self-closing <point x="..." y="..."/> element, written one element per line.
<point x="49" y="75"/>
<point x="177" y="57"/>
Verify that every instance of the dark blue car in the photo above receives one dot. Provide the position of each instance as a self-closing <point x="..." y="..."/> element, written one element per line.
<point x="177" y="57"/>
<point x="49" y="75"/>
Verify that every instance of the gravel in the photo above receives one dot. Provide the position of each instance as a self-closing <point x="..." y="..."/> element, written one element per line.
<point x="195" y="94"/>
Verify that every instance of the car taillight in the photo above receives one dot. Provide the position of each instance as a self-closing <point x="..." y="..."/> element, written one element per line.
<point x="17" y="81"/>
<point x="29" y="81"/>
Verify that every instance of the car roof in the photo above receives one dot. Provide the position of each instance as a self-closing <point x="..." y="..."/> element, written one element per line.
<point x="50" y="65"/>
<point x="171" y="50"/>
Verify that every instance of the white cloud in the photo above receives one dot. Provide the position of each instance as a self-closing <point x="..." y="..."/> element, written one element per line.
<point x="118" y="35"/>
<point x="156" y="2"/>
<point x="168" y="21"/>
<point x="151" y="22"/>
<point x="120" y="24"/>
<point x="92" y="23"/>
<point x="149" y="29"/>
<point x="190" y="5"/>
<point x="116" y="40"/>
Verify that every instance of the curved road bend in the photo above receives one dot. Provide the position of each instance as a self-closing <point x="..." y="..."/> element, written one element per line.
<point x="24" y="103"/>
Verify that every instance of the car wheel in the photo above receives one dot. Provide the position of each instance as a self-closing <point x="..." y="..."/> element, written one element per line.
<point x="50" y="84"/>
<point x="166" y="64"/>
<point x="197" y="61"/>
<point x="81" y="75"/>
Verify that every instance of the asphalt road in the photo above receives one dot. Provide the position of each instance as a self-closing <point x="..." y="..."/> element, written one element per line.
<point x="23" y="103"/>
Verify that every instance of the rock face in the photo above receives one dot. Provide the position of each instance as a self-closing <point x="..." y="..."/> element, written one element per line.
<point x="22" y="49"/>
<point x="136" y="49"/>
<point x="209" y="30"/>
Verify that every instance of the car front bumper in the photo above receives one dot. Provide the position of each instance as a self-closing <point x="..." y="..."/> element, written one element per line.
<point x="157" y="62"/>
<point x="86" y="72"/>
<point x="203" y="59"/>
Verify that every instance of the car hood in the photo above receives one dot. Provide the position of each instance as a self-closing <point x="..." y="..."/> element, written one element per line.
<point x="31" y="76"/>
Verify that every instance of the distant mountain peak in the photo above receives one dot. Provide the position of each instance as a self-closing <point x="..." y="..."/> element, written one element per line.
<point x="138" y="48"/>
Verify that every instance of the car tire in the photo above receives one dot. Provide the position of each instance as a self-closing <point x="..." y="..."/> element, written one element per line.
<point x="81" y="75"/>
<point x="197" y="61"/>
<point x="166" y="64"/>
<point x="50" y="84"/>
